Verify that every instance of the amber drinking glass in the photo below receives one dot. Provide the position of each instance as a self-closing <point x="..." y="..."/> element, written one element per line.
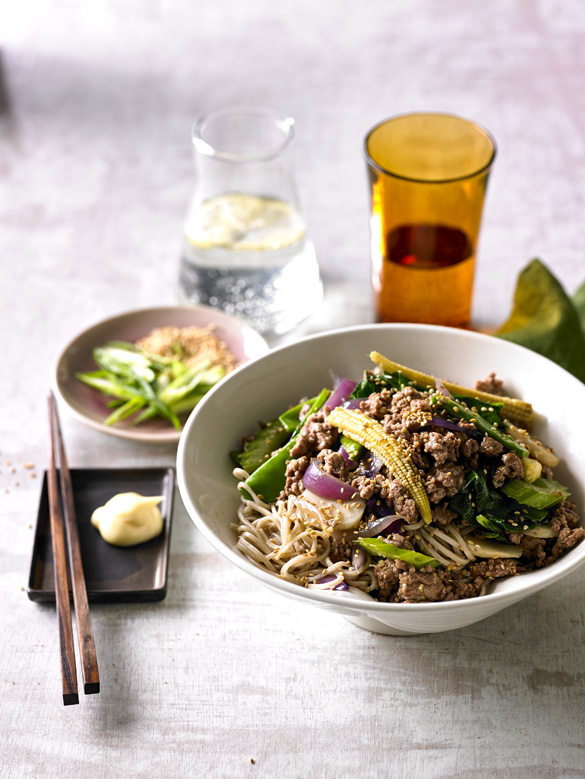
<point x="428" y="175"/>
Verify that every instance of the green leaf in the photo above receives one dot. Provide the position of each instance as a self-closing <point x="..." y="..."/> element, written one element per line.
<point x="522" y="519"/>
<point x="462" y="504"/>
<point x="381" y="548"/>
<point x="375" y="382"/>
<point x="494" y="531"/>
<point x="494" y="511"/>
<point x="578" y="300"/>
<point x="539" y="494"/>
<point x="487" y="500"/>
<point x="545" y="320"/>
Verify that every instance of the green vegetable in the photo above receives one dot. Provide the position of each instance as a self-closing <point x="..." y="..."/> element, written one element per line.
<point x="482" y="506"/>
<point x="186" y="380"/>
<point x="539" y="494"/>
<point x="491" y="411"/>
<point x="375" y="382"/>
<point x="125" y="410"/>
<point x="269" y="479"/>
<point x="291" y="418"/>
<point x="256" y="451"/>
<point x="482" y="548"/>
<point x="124" y="362"/>
<point x="497" y="528"/>
<point x="150" y="384"/>
<point x="477" y="498"/>
<point x="155" y="402"/>
<point x="352" y="447"/>
<point x="383" y="549"/>
<point x="108" y="384"/>
<point x="546" y="320"/>
<point x="481" y="424"/>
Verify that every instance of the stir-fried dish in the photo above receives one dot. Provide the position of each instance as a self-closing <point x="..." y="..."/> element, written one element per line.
<point x="402" y="486"/>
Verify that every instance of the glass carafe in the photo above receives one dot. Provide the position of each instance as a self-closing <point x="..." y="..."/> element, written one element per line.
<point x="245" y="247"/>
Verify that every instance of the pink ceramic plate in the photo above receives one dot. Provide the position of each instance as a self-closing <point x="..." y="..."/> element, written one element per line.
<point x="90" y="406"/>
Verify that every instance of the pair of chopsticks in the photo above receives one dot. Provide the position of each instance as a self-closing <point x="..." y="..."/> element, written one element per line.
<point x="64" y="523"/>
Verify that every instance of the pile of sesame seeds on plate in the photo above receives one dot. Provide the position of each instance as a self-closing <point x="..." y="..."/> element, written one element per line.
<point x="189" y="344"/>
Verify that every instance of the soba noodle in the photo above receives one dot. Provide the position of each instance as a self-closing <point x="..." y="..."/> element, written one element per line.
<point x="291" y="539"/>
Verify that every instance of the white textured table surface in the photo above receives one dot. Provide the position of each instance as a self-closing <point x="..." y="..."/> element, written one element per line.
<point x="96" y="103"/>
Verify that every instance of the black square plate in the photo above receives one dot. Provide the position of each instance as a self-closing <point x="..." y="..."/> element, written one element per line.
<point x="112" y="573"/>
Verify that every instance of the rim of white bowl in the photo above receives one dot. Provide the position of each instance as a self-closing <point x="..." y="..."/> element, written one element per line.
<point x="555" y="572"/>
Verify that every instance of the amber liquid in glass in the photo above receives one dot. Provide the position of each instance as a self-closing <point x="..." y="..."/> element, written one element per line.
<point x="425" y="275"/>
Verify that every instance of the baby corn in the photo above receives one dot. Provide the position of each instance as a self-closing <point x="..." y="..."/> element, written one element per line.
<point x="536" y="449"/>
<point x="515" y="410"/>
<point x="371" y="434"/>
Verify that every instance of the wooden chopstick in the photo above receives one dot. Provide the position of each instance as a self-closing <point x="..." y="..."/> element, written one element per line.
<point x="89" y="664"/>
<point x="66" y="647"/>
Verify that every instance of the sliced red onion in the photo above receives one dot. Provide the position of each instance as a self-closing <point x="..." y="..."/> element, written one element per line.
<point x="325" y="485"/>
<point x="353" y="403"/>
<point x="440" y="422"/>
<point x="358" y="557"/>
<point x="341" y="393"/>
<point x="391" y="522"/>
<point x="351" y="464"/>
<point x="377" y="507"/>
<point x="371" y="465"/>
<point x="442" y="389"/>
<point x="331" y="578"/>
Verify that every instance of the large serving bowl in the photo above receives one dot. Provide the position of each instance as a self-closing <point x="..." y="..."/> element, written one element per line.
<point x="265" y="387"/>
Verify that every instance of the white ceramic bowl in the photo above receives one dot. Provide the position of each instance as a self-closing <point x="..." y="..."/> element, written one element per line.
<point x="90" y="406"/>
<point x="261" y="389"/>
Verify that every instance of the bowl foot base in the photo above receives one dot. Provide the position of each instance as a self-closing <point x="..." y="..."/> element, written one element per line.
<point x="375" y="626"/>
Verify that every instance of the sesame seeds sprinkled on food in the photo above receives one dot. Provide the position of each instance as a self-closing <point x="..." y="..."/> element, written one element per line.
<point x="476" y="532"/>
